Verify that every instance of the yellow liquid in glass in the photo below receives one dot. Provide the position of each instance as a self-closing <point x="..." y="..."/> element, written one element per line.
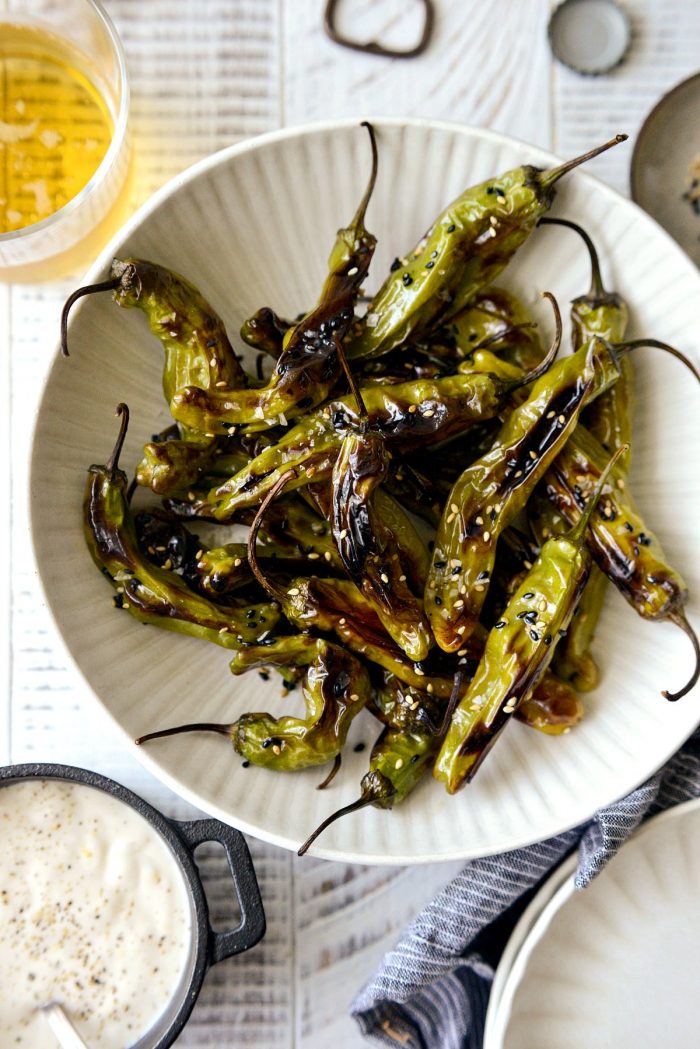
<point x="55" y="127"/>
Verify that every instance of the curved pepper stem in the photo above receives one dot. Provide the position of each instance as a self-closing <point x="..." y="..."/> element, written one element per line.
<point x="275" y="592"/>
<point x="577" y="532"/>
<point x="598" y="290"/>
<point x="548" y="178"/>
<point x="361" y="803"/>
<point x="89" y="289"/>
<point x="625" y="347"/>
<point x="553" y="350"/>
<point x="680" y="620"/>
<point x="198" y="726"/>
<point x="359" y="219"/>
<point x="112" y="464"/>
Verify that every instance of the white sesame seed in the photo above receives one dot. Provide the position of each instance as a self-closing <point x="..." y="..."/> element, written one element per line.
<point x="419" y="672"/>
<point x="343" y="534"/>
<point x="487" y="536"/>
<point x="399" y="763"/>
<point x="479" y="520"/>
<point x="384" y="577"/>
<point x="402" y="578"/>
<point x="327" y="555"/>
<point x="451" y="518"/>
<point x="429" y="687"/>
<point x="429" y="414"/>
<point x="221" y="383"/>
<point x="533" y="455"/>
<point x="276" y="749"/>
<point x="294" y="592"/>
<point x="237" y="562"/>
<point x="313" y="557"/>
<point x="561" y="419"/>
<point x="454" y="508"/>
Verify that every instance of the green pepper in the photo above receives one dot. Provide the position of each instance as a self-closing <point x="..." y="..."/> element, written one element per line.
<point x="469" y="244"/>
<point x="308" y="365"/>
<point x="518" y="650"/>
<point x="398" y="761"/>
<point x="609" y="418"/>
<point x="152" y="594"/>
<point x="624" y="547"/>
<point x="335" y="688"/>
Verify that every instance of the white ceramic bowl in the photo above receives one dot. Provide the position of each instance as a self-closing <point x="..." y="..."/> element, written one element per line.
<point x="613" y="966"/>
<point x="251" y="226"/>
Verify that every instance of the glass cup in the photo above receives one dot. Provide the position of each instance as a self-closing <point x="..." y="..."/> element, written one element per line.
<point x="64" y="95"/>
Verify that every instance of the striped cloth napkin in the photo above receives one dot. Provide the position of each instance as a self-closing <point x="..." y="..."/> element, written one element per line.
<point x="431" y="991"/>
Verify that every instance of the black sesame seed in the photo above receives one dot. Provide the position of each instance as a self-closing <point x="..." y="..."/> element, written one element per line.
<point x="441" y="564"/>
<point x="433" y="254"/>
<point x="636" y="550"/>
<point x="643" y="539"/>
<point x="456" y="570"/>
<point x="407" y="279"/>
<point x="528" y="596"/>
<point x="245" y="764"/>
<point x="396" y="265"/>
<point x="359" y="747"/>
<point x="415" y="758"/>
<point x="451" y="228"/>
<point x="548" y="639"/>
<point x="438" y="601"/>
<point x="562" y="633"/>
<point x="628" y="526"/>
<point x="266" y="743"/>
<point x="534" y="635"/>
<point x="481" y="576"/>
<point x="429" y="265"/>
<point x="500" y="624"/>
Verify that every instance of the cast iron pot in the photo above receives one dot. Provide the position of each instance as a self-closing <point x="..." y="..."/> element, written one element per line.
<point x="182" y="838"/>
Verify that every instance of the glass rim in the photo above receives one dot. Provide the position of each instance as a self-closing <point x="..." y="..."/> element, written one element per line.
<point x="113" y="149"/>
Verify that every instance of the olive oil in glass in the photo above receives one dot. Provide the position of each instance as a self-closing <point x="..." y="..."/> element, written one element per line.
<point x="55" y="127"/>
<point x="64" y="156"/>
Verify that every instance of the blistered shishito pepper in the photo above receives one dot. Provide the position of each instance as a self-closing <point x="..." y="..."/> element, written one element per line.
<point x="518" y="650"/>
<point x="605" y="314"/>
<point x="399" y="758"/>
<point x="409" y="415"/>
<point x="367" y="547"/>
<point x="308" y="365"/>
<point x="152" y="594"/>
<point x="469" y="244"/>
<point x="335" y="688"/>
<point x="623" y="546"/>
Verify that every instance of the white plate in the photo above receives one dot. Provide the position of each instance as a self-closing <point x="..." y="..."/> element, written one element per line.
<point x="253" y="225"/>
<point x="614" y="966"/>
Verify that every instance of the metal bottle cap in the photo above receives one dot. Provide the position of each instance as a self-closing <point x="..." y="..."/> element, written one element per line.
<point x="590" y="36"/>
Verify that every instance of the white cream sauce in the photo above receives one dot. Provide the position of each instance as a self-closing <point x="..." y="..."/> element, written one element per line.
<point x="94" y="914"/>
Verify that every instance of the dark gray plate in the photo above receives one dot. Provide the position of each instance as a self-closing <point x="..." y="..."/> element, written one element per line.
<point x="665" y="155"/>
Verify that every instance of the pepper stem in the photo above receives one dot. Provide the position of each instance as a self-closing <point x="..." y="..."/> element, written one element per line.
<point x="359" y="219"/>
<point x="352" y="383"/>
<point x="679" y="618"/>
<point x="112" y="464"/>
<point x="275" y="592"/>
<point x="199" y="726"/>
<point x="332" y="774"/>
<point x="90" y="289"/>
<point x="551" y="352"/>
<point x="361" y="803"/>
<point x="598" y="290"/>
<point x="625" y="347"/>
<point x="548" y="178"/>
<point x="579" y="528"/>
<point x="452" y="703"/>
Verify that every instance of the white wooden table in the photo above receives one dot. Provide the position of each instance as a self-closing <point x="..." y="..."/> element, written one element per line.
<point x="205" y="73"/>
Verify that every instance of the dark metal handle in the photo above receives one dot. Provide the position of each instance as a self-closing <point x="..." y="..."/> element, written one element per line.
<point x="372" y="47"/>
<point x="252" y="928"/>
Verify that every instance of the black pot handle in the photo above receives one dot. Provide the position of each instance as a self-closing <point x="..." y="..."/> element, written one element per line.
<point x="252" y="928"/>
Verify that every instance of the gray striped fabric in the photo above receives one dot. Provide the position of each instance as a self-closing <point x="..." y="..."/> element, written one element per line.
<point x="431" y="991"/>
